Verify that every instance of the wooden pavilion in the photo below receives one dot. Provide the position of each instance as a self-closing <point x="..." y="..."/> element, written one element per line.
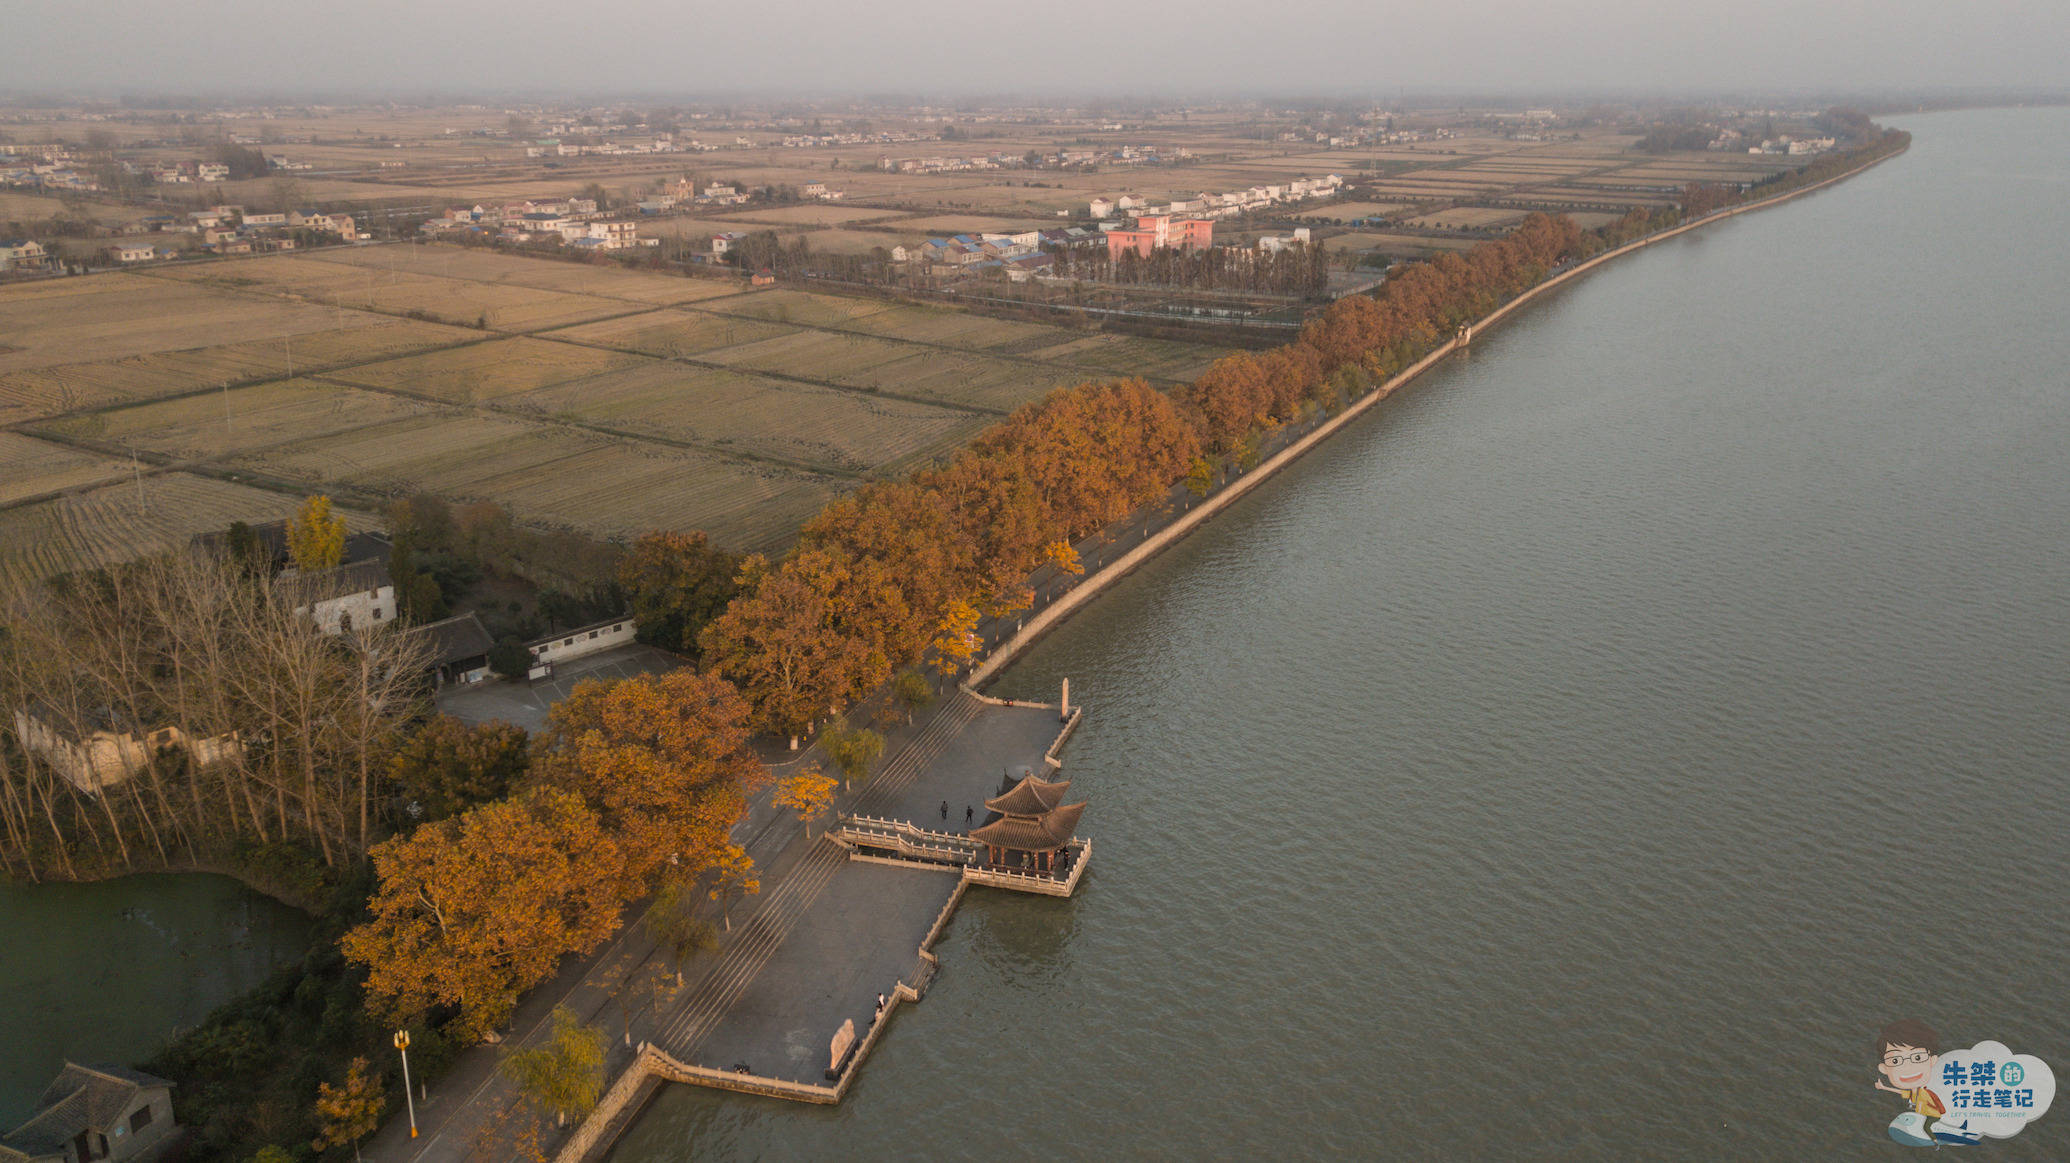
<point x="1034" y="821"/>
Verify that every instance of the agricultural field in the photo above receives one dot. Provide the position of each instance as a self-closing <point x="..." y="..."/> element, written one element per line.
<point x="1467" y="218"/>
<point x="119" y="521"/>
<point x="213" y="425"/>
<point x="30" y="467"/>
<point x="942" y="225"/>
<point x="492" y="267"/>
<point x="825" y="429"/>
<point x="559" y="476"/>
<point x="439" y="298"/>
<point x="880" y="365"/>
<point x="815" y="214"/>
<point x="1346" y="211"/>
<point x="482" y="372"/>
<point x="1365" y="242"/>
<point x="802" y="308"/>
<point x="672" y="334"/>
<point x="109" y="339"/>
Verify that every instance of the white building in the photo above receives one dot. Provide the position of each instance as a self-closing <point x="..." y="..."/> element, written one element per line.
<point x="358" y="594"/>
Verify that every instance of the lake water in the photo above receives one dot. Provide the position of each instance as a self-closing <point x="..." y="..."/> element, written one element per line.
<point x="105" y="972"/>
<point x="1582" y="757"/>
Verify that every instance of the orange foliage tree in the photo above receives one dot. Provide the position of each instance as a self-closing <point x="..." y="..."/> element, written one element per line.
<point x="472" y="910"/>
<point x="663" y="760"/>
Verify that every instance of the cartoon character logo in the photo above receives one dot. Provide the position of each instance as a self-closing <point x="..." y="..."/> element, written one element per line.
<point x="1958" y="1098"/>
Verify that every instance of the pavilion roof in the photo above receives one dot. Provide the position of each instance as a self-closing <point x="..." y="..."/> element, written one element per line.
<point x="1042" y="833"/>
<point x="1031" y="797"/>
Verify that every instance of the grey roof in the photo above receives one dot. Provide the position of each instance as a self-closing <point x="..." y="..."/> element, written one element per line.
<point x="459" y="637"/>
<point x="352" y="578"/>
<point x="81" y="1098"/>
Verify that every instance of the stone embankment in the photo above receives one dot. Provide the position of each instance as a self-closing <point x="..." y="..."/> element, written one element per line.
<point x="1078" y="595"/>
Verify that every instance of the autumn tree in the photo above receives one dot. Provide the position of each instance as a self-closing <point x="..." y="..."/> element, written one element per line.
<point x="316" y="538"/>
<point x="1064" y="556"/>
<point x="807" y="793"/>
<point x="565" y="1076"/>
<point x="1200" y="477"/>
<point x="350" y="1111"/>
<point x="733" y="877"/>
<point x="799" y="641"/>
<point x="955" y="640"/>
<point x="677" y="583"/>
<point x="662" y="759"/>
<point x="472" y="910"/>
<point x="447" y="766"/>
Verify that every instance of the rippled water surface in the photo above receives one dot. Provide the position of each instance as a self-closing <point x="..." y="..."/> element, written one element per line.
<point x="1583" y="756"/>
<point x="105" y="972"/>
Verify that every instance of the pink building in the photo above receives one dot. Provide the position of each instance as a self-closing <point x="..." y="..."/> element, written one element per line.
<point x="1153" y="231"/>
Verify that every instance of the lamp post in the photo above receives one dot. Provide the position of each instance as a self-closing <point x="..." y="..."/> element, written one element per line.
<point x="402" y="1046"/>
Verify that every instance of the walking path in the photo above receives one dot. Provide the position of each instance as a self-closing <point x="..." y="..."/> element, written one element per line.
<point x="815" y="947"/>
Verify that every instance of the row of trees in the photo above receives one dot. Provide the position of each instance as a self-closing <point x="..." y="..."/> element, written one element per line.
<point x="901" y="572"/>
<point x="883" y="575"/>
<point x="635" y="785"/>
<point x="1300" y="269"/>
<point x="184" y="709"/>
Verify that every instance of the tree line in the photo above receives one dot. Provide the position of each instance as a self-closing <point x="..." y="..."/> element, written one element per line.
<point x="1300" y="269"/>
<point x="899" y="572"/>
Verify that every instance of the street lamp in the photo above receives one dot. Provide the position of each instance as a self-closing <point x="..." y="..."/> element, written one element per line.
<point x="402" y="1046"/>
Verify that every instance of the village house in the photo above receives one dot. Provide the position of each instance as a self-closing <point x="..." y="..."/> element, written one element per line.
<point x="129" y="252"/>
<point x="1153" y="231"/>
<point x="725" y="240"/>
<point x="265" y="221"/>
<point x="359" y="593"/>
<point x="95" y="1113"/>
<point x="459" y="650"/>
<point x="212" y="172"/>
<point x="24" y="254"/>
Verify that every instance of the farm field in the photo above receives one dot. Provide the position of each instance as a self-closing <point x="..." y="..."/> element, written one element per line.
<point x="942" y="225"/>
<point x="825" y="428"/>
<point x="499" y="306"/>
<point x="1361" y="242"/>
<point x="1346" y="211"/>
<point x="881" y="365"/>
<point x="559" y="476"/>
<point x="816" y="214"/>
<point x="672" y="333"/>
<point x="119" y="521"/>
<point x="802" y="307"/>
<point x="115" y="315"/>
<point x="217" y="424"/>
<point x="53" y="390"/>
<point x="29" y="467"/>
<point x="488" y="266"/>
<point x="487" y="371"/>
<point x="1467" y="218"/>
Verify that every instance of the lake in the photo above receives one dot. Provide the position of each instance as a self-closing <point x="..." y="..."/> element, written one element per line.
<point x="1584" y="755"/>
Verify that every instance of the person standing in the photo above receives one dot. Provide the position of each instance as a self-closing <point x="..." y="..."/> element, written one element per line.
<point x="945" y="811"/>
<point x="967" y="814"/>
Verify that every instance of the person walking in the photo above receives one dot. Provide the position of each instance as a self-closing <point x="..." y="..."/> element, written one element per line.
<point x="945" y="810"/>
<point x="968" y="813"/>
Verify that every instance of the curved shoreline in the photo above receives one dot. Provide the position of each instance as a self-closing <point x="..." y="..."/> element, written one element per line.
<point x="1069" y="602"/>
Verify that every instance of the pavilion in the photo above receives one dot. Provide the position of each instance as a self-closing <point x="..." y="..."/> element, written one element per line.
<point x="1033" y="820"/>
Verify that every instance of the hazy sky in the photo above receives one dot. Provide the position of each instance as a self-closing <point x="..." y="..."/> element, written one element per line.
<point x="1063" y="46"/>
